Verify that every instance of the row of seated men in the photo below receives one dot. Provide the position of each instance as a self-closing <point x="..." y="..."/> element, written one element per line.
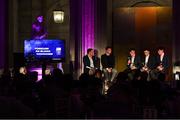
<point x="148" y="64"/>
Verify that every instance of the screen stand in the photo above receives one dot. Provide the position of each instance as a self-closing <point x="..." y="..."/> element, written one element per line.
<point x="43" y="69"/>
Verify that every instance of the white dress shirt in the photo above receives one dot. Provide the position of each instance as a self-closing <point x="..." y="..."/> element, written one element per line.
<point x="146" y="59"/>
<point x="161" y="57"/>
<point x="132" y="61"/>
<point x="91" y="62"/>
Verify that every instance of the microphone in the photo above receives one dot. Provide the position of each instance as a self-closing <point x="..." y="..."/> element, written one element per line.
<point x="129" y="60"/>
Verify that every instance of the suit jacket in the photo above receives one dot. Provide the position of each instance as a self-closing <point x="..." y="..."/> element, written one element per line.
<point x="150" y="63"/>
<point x="137" y="62"/>
<point x="164" y="62"/>
<point x="86" y="62"/>
<point x="97" y="62"/>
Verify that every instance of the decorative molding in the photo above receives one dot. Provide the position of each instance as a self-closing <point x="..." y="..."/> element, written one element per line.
<point x="145" y="2"/>
<point x="132" y="3"/>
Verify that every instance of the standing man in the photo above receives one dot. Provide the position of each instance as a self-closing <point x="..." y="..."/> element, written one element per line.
<point x="88" y="61"/>
<point x="148" y="62"/>
<point x="133" y="61"/>
<point x="108" y="63"/>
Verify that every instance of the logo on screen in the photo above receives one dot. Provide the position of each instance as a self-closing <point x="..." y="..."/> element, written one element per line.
<point x="58" y="51"/>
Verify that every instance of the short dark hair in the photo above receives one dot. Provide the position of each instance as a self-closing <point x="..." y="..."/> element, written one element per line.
<point x="146" y="49"/>
<point x="161" y="48"/>
<point x="107" y="47"/>
<point x="89" y="50"/>
<point x="132" y="49"/>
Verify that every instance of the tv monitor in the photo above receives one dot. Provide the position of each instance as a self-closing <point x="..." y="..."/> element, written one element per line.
<point x="44" y="50"/>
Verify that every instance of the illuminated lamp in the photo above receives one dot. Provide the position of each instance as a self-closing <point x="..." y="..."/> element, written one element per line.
<point x="58" y="16"/>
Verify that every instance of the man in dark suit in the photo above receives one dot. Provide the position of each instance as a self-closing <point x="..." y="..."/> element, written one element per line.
<point x="133" y="61"/>
<point x="162" y="62"/>
<point x="96" y="60"/>
<point x="88" y="61"/>
<point x="148" y="61"/>
<point x="108" y="63"/>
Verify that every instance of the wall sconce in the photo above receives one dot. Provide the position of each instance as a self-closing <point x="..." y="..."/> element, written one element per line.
<point x="58" y="16"/>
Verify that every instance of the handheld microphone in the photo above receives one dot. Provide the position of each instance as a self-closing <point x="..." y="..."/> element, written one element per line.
<point x="129" y="60"/>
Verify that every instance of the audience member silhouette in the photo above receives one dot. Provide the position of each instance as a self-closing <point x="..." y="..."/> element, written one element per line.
<point x="58" y="95"/>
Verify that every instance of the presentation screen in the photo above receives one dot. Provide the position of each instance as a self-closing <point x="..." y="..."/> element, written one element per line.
<point x="44" y="50"/>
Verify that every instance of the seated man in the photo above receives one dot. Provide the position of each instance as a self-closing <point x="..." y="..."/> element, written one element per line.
<point x="133" y="61"/>
<point x="88" y="61"/>
<point x="162" y="61"/>
<point x="147" y="62"/>
<point x="133" y="64"/>
<point x="161" y="65"/>
<point x="108" y="63"/>
<point x="96" y="60"/>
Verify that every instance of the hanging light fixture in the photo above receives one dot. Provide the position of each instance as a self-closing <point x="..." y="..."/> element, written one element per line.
<point x="58" y="16"/>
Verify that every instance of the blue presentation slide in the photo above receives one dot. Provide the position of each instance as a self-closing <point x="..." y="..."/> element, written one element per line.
<point x="47" y="49"/>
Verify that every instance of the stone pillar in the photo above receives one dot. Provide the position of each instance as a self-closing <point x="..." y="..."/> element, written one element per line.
<point x="13" y="31"/>
<point x="88" y="22"/>
<point x="82" y="29"/>
<point x="3" y="34"/>
<point x="101" y="29"/>
<point x="87" y="25"/>
<point x="176" y="30"/>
